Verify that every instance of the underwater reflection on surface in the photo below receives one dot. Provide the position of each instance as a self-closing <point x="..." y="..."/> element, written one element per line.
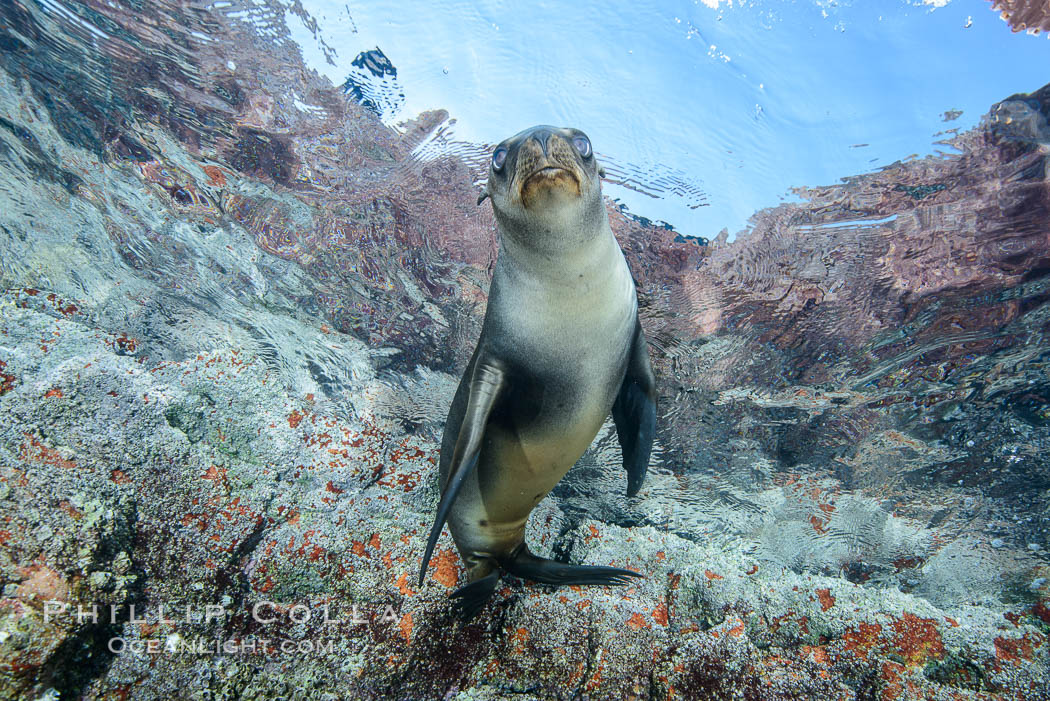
<point x="704" y="111"/>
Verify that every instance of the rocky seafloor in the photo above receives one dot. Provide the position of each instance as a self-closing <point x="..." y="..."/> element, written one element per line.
<point x="234" y="307"/>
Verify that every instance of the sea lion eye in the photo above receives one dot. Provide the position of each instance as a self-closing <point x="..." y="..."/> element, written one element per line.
<point x="499" y="157"/>
<point x="583" y="145"/>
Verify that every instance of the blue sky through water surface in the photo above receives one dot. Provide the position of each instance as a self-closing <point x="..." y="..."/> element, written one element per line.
<point x="715" y="107"/>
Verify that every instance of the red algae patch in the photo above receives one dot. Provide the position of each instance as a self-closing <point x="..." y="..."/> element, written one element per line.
<point x="519" y="638"/>
<point x="446" y="568"/>
<point x="826" y="599"/>
<point x="33" y="450"/>
<point x="406" y="627"/>
<point x="294" y="418"/>
<point x="819" y="654"/>
<point x="1042" y="611"/>
<point x="637" y="622"/>
<point x="402" y="586"/>
<point x="1013" y="650"/>
<point x="917" y="639"/>
<point x="43" y="583"/>
<point x="660" y="614"/>
<point x="862" y="639"/>
<point x="892" y="688"/>
<point x="912" y="640"/>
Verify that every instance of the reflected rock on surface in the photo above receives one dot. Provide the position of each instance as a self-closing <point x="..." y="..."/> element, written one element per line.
<point x="1024" y="15"/>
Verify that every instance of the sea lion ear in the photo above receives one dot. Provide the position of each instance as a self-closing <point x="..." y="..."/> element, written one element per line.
<point x="482" y="196"/>
<point x="601" y="172"/>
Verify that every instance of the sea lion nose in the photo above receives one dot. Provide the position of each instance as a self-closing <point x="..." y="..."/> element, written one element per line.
<point x="541" y="136"/>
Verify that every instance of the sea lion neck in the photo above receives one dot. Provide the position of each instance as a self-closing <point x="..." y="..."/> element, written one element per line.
<point x="557" y="230"/>
<point x="565" y="265"/>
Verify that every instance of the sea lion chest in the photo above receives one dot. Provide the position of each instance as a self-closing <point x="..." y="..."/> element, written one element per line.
<point x="566" y="348"/>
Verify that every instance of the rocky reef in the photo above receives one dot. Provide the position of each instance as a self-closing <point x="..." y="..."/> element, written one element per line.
<point x="234" y="307"/>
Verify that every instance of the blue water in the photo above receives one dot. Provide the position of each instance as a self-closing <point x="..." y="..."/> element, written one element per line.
<point x="708" y="113"/>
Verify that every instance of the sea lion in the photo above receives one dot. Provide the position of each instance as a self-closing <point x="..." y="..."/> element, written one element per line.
<point x="560" y="347"/>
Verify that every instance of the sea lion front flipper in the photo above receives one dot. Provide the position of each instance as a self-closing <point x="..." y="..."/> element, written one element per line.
<point x="634" y="413"/>
<point x="485" y="386"/>
<point x="537" y="569"/>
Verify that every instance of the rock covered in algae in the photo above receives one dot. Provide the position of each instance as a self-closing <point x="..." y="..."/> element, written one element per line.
<point x="231" y="327"/>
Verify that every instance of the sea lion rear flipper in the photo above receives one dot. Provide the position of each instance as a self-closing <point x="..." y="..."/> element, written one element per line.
<point x="634" y="413"/>
<point x="537" y="569"/>
<point x="485" y="386"/>
<point x="471" y="597"/>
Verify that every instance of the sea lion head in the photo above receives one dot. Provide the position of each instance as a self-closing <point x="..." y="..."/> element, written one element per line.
<point x="545" y="184"/>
